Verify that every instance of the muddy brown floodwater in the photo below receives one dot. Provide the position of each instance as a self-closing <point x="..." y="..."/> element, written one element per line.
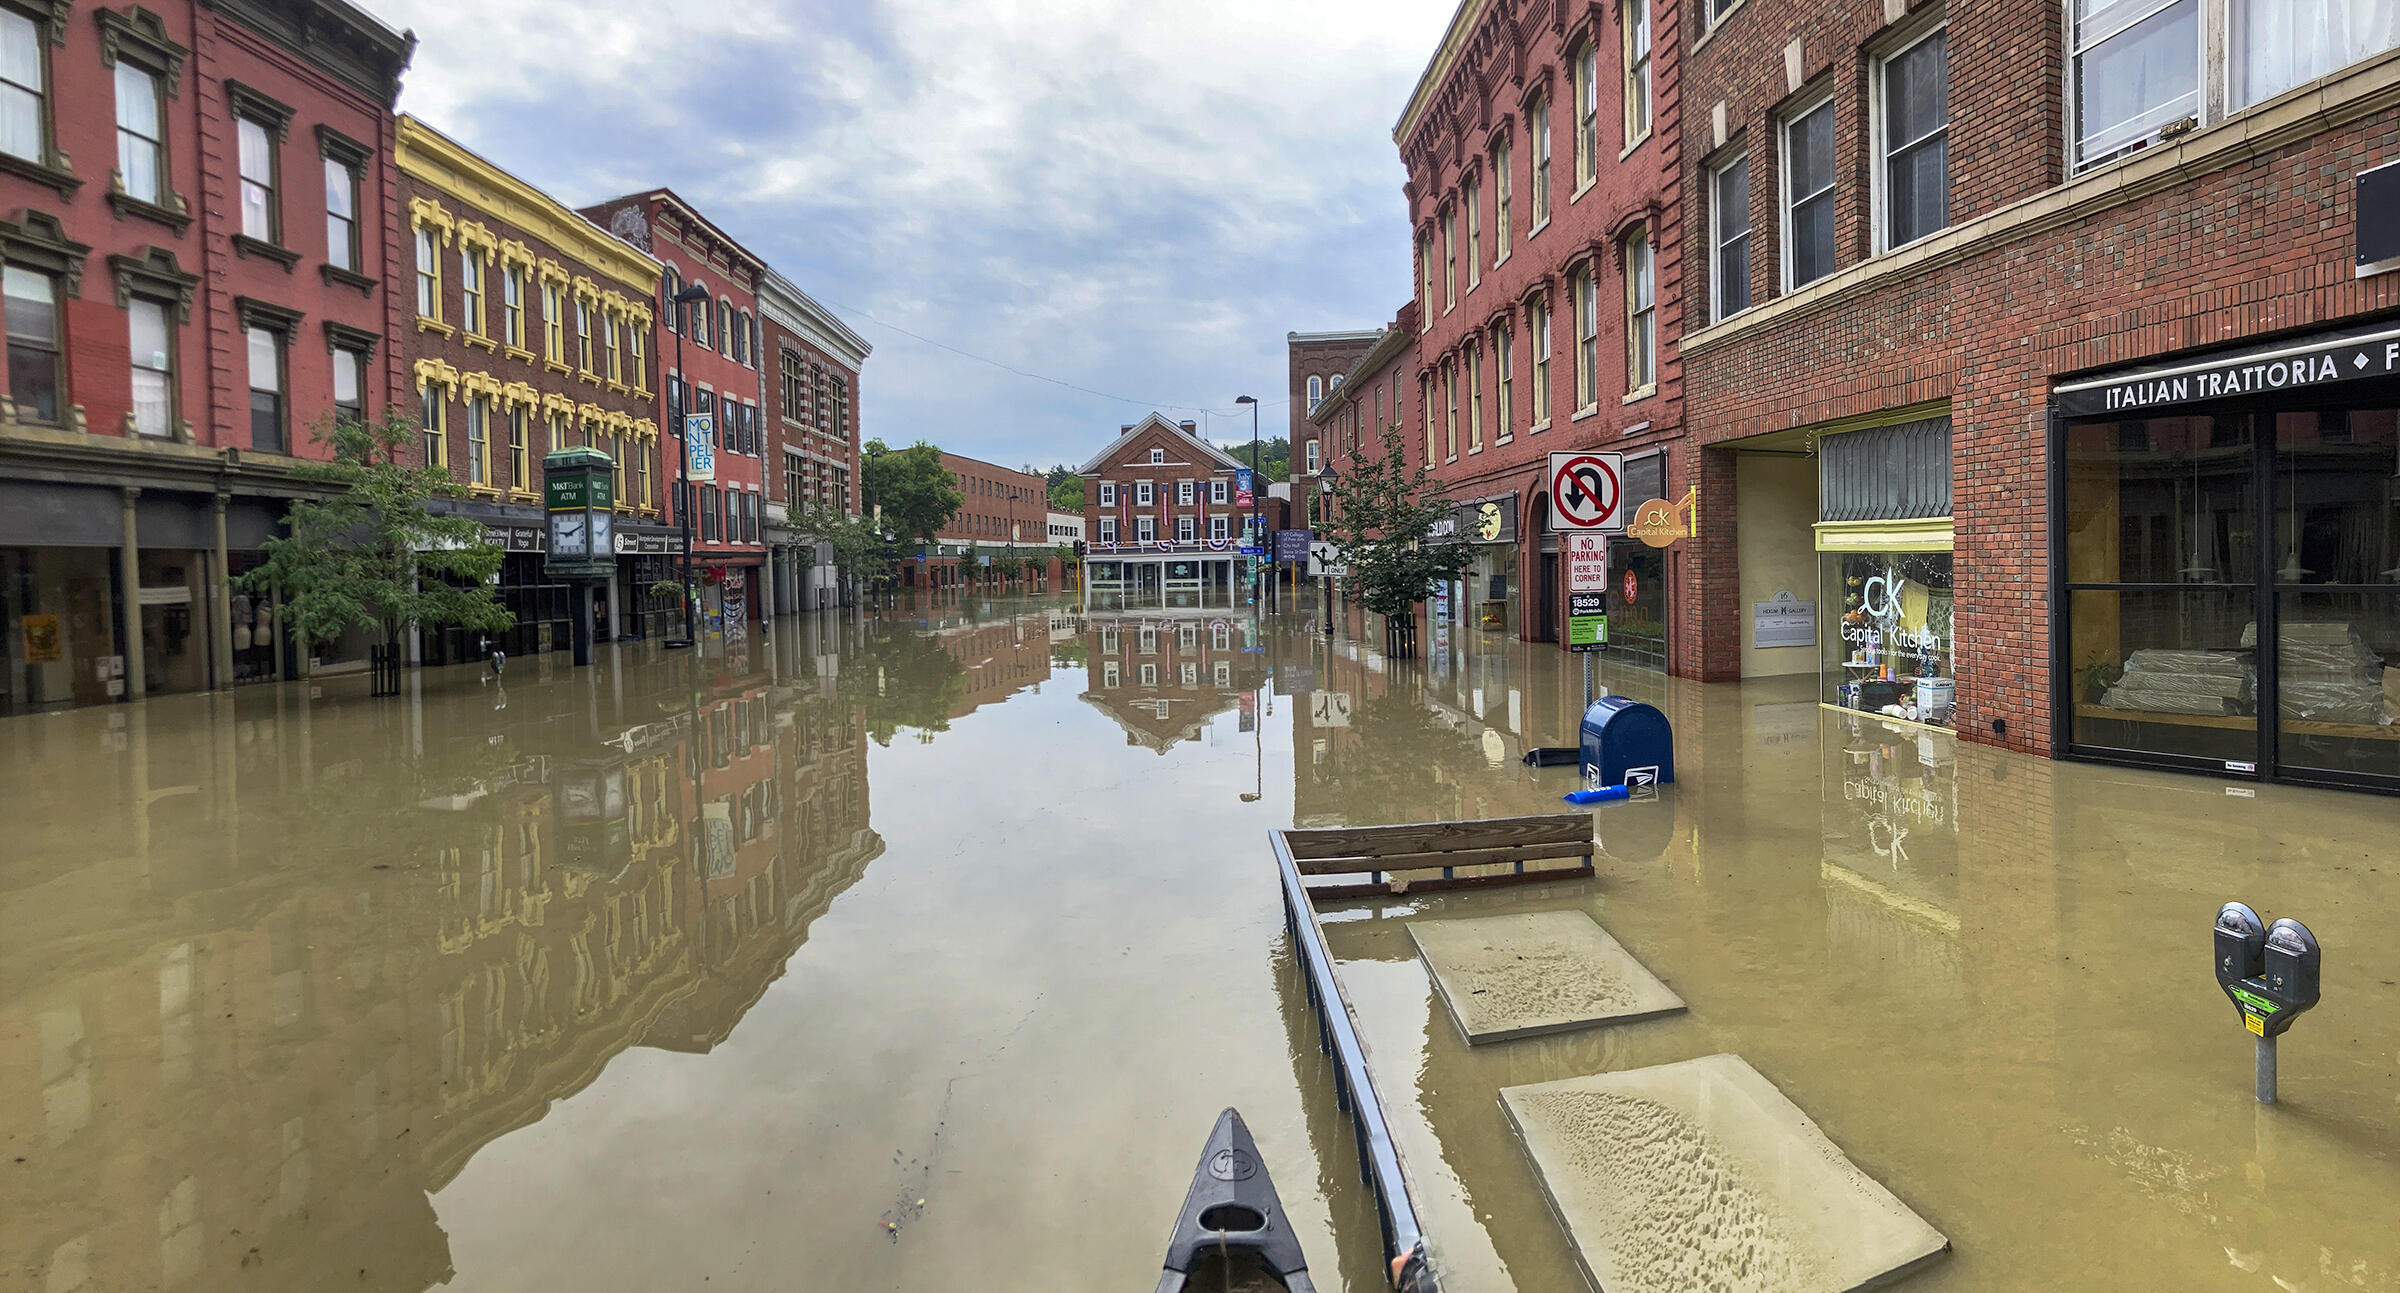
<point x="920" y="953"/>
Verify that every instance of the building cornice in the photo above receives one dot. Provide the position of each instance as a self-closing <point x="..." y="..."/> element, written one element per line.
<point x="1394" y="341"/>
<point x="340" y="39"/>
<point x="433" y="158"/>
<point x="781" y="300"/>
<point x="1429" y="82"/>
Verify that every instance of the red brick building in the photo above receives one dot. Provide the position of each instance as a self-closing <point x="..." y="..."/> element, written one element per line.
<point x="530" y="330"/>
<point x="721" y="375"/>
<point x="1543" y="144"/>
<point x="1161" y="520"/>
<point x="811" y="362"/>
<point x="1317" y="362"/>
<point x="1006" y="513"/>
<point x="196" y="207"/>
<point x="2062" y="392"/>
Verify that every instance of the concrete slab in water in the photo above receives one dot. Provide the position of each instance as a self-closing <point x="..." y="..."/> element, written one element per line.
<point x="1702" y="1175"/>
<point x="1536" y="972"/>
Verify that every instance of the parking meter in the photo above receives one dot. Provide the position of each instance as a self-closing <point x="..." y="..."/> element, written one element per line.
<point x="2271" y="974"/>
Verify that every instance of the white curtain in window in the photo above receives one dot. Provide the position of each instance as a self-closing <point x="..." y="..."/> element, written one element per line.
<point x="2281" y="43"/>
<point x="20" y="86"/>
<point x="152" y="405"/>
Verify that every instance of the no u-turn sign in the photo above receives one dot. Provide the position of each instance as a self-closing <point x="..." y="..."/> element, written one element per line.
<point x="1586" y="490"/>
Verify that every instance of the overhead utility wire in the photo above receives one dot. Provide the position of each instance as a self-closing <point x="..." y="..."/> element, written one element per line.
<point x="855" y="312"/>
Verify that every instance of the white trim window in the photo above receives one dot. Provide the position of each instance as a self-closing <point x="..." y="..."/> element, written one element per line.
<point x="1425" y="266"/>
<point x="1538" y="332"/>
<point x="1500" y="196"/>
<point x="2134" y="68"/>
<point x="1315" y="461"/>
<point x="1108" y="529"/>
<point x="1637" y="71"/>
<point x="1474" y="200"/>
<point x="1808" y="170"/>
<point x="1108" y="493"/>
<point x="1586" y="305"/>
<point x="1158" y="457"/>
<point x="2277" y="44"/>
<point x="1641" y="314"/>
<point x="1474" y="401"/>
<point x="1537" y="128"/>
<point x="1586" y="82"/>
<point x="1729" y="235"/>
<point x="1503" y="410"/>
<point x="1450" y="258"/>
<point x="1316" y="392"/>
<point x="1184" y="492"/>
<point x="1913" y="141"/>
<point x="1145" y="529"/>
<point x="1145" y="494"/>
<point x="1217" y="528"/>
<point x="1217" y="490"/>
<point x="1183" y="529"/>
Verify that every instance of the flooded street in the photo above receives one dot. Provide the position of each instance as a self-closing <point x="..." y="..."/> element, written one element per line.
<point x="919" y="952"/>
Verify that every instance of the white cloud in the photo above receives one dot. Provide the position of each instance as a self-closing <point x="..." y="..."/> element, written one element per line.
<point x="1133" y="197"/>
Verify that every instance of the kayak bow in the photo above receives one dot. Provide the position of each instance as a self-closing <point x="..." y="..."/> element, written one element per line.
<point x="1233" y="1223"/>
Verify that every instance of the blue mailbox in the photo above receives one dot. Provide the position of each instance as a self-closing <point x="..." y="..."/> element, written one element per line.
<point x="1625" y="742"/>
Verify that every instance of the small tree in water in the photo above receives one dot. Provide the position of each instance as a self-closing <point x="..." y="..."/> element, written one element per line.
<point x="1383" y="522"/>
<point x="372" y="555"/>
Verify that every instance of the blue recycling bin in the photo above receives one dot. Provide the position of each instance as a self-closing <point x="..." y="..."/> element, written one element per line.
<point x="1626" y="741"/>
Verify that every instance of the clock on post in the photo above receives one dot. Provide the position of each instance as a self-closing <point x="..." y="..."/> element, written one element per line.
<point x="578" y="485"/>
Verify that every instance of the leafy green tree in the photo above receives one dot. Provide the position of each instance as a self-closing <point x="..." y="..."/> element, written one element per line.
<point x="861" y="555"/>
<point x="1067" y="495"/>
<point x="372" y="555"/>
<point x="1383" y="524"/>
<point x="918" y="494"/>
<point x="1274" y="458"/>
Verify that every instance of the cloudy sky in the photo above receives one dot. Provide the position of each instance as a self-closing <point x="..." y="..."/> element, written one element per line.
<point x="1131" y="197"/>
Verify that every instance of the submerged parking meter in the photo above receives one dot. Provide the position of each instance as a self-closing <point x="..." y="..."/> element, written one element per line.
<point x="2271" y="974"/>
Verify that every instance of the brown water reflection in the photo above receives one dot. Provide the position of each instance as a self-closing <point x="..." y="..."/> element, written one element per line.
<point x="619" y="979"/>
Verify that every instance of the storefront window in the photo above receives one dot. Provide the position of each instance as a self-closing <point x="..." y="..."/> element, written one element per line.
<point x="1891" y="649"/>
<point x="56" y="607"/>
<point x="2183" y="536"/>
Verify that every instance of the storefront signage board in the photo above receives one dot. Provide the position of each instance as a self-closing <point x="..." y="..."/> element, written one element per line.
<point x="2291" y="366"/>
<point x="1783" y="621"/>
<point x="1587" y="563"/>
<point x="1587" y="621"/>
<point x="44" y="643"/>
<point x="1660" y="523"/>
<point x="1586" y="490"/>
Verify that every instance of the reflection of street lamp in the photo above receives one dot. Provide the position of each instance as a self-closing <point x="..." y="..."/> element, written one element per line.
<point x="1258" y="492"/>
<point x="683" y="500"/>
<point x="874" y="508"/>
<point x="1325" y="481"/>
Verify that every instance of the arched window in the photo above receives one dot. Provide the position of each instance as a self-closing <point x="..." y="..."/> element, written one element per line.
<point x="697" y="323"/>
<point x="741" y="339"/>
<point x="669" y="284"/>
<point x="1316" y="392"/>
<point x="724" y="325"/>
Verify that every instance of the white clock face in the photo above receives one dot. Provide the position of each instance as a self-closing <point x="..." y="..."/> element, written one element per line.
<point x="604" y="534"/>
<point x="567" y="536"/>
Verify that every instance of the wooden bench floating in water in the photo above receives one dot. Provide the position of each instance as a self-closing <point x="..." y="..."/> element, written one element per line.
<point x="1435" y="851"/>
<point x="1428" y="856"/>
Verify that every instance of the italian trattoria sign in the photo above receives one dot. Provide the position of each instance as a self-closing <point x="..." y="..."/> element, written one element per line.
<point x="2287" y="366"/>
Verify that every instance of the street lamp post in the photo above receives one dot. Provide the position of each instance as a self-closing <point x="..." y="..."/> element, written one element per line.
<point x="683" y="500"/>
<point x="874" y="509"/>
<point x="1258" y="493"/>
<point x="1324" y="514"/>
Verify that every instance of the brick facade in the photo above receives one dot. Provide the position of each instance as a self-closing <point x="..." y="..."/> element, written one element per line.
<point x="1509" y="76"/>
<point x="1003" y="511"/>
<point x="810" y="364"/>
<point x="1321" y="358"/>
<point x="193" y="479"/>
<point x="1169" y="456"/>
<point x="2239" y="230"/>
<point x="721" y="375"/>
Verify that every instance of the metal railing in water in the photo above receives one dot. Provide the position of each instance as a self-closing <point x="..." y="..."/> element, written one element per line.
<point x="1354" y="1086"/>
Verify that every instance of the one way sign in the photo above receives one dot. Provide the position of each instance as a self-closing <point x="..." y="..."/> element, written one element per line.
<point x="1586" y="490"/>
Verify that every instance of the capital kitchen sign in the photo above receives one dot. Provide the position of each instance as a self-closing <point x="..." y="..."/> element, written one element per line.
<point x="2320" y="361"/>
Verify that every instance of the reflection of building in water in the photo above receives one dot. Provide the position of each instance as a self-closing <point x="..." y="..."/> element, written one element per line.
<point x="1890" y="871"/>
<point x="248" y="1034"/>
<point x="1163" y="677"/>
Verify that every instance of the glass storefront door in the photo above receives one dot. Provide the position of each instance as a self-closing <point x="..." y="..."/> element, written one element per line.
<point x="2225" y="566"/>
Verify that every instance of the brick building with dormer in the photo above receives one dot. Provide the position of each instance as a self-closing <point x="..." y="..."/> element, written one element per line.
<point x="1161" y="520"/>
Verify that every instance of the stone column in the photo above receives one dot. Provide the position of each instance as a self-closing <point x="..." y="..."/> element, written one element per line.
<point x="766" y="593"/>
<point x="129" y="573"/>
<point x="220" y="611"/>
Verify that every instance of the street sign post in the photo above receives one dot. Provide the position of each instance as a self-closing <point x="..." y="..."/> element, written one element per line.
<point x="1586" y="490"/>
<point x="1587" y="563"/>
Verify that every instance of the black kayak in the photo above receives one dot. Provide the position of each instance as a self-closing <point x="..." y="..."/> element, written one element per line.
<point x="1232" y="1234"/>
